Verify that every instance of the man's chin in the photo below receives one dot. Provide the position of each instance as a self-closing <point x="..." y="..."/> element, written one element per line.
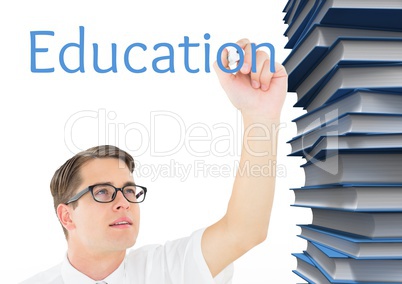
<point x="122" y="243"/>
<point x="131" y="244"/>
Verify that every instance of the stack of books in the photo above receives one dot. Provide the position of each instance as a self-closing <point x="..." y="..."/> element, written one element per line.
<point x="345" y="66"/>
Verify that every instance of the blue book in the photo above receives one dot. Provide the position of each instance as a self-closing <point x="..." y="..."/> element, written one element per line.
<point x="307" y="270"/>
<point x="310" y="272"/>
<point x="355" y="198"/>
<point x="346" y="124"/>
<point x="375" y="168"/>
<point x="349" y="51"/>
<point x="353" y="246"/>
<point x="292" y="10"/>
<point x="327" y="146"/>
<point x="358" y="100"/>
<point x="339" y="268"/>
<point x="383" y="15"/>
<point x="366" y="224"/>
<point x="299" y="22"/>
<point x="345" y="78"/>
<point x="311" y="49"/>
<point x="288" y="6"/>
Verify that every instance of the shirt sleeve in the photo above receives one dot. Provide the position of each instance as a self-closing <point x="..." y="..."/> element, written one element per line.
<point x="177" y="262"/>
<point x="194" y="253"/>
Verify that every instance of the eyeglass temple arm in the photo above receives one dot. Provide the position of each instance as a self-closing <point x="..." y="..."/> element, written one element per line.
<point x="77" y="196"/>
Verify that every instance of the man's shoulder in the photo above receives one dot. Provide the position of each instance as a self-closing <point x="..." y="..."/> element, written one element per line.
<point x="50" y="276"/>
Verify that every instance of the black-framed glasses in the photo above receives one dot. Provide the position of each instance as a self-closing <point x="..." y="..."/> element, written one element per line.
<point x="105" y="193"/>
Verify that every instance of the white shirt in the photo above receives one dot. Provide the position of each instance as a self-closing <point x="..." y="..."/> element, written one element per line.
<point x="177" y="262"/>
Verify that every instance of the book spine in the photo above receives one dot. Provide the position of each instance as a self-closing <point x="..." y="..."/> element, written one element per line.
<point x="339" y="168"/>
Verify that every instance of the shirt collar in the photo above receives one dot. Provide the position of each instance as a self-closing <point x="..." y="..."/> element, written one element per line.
<point x="71" y="275"/>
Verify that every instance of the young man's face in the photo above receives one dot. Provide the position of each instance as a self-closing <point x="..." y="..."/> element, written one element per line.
<point x="95" y="225"/>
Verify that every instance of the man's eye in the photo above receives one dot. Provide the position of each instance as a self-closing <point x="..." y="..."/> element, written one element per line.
<point x="129" y="191"/>
<point x="102" y="192"/>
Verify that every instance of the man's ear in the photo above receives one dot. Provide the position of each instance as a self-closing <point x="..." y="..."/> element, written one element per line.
<point x="64" y="215"/>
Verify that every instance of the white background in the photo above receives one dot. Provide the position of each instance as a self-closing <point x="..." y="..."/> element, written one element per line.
<point x="40" y="129"/>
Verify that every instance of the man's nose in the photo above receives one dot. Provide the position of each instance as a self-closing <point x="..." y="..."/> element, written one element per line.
<point x="120" y="201"/>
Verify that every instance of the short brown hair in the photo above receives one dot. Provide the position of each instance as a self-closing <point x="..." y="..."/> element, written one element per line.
<point x="67" y="178"/>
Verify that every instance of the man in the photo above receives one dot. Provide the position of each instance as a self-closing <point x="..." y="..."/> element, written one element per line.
<point x="96" y="201"/>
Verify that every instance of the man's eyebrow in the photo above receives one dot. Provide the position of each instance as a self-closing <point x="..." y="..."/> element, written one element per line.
<point x="111" y="183"/>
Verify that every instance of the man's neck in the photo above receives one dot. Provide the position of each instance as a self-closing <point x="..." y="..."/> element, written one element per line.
<point x="96" y="266"/>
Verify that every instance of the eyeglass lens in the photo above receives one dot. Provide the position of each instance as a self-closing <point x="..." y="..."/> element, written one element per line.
<point x="106" y="193"/>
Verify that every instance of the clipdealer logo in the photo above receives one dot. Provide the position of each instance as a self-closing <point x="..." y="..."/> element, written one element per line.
<point x="151" y="139"/>
<point x="166" y="136"/>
